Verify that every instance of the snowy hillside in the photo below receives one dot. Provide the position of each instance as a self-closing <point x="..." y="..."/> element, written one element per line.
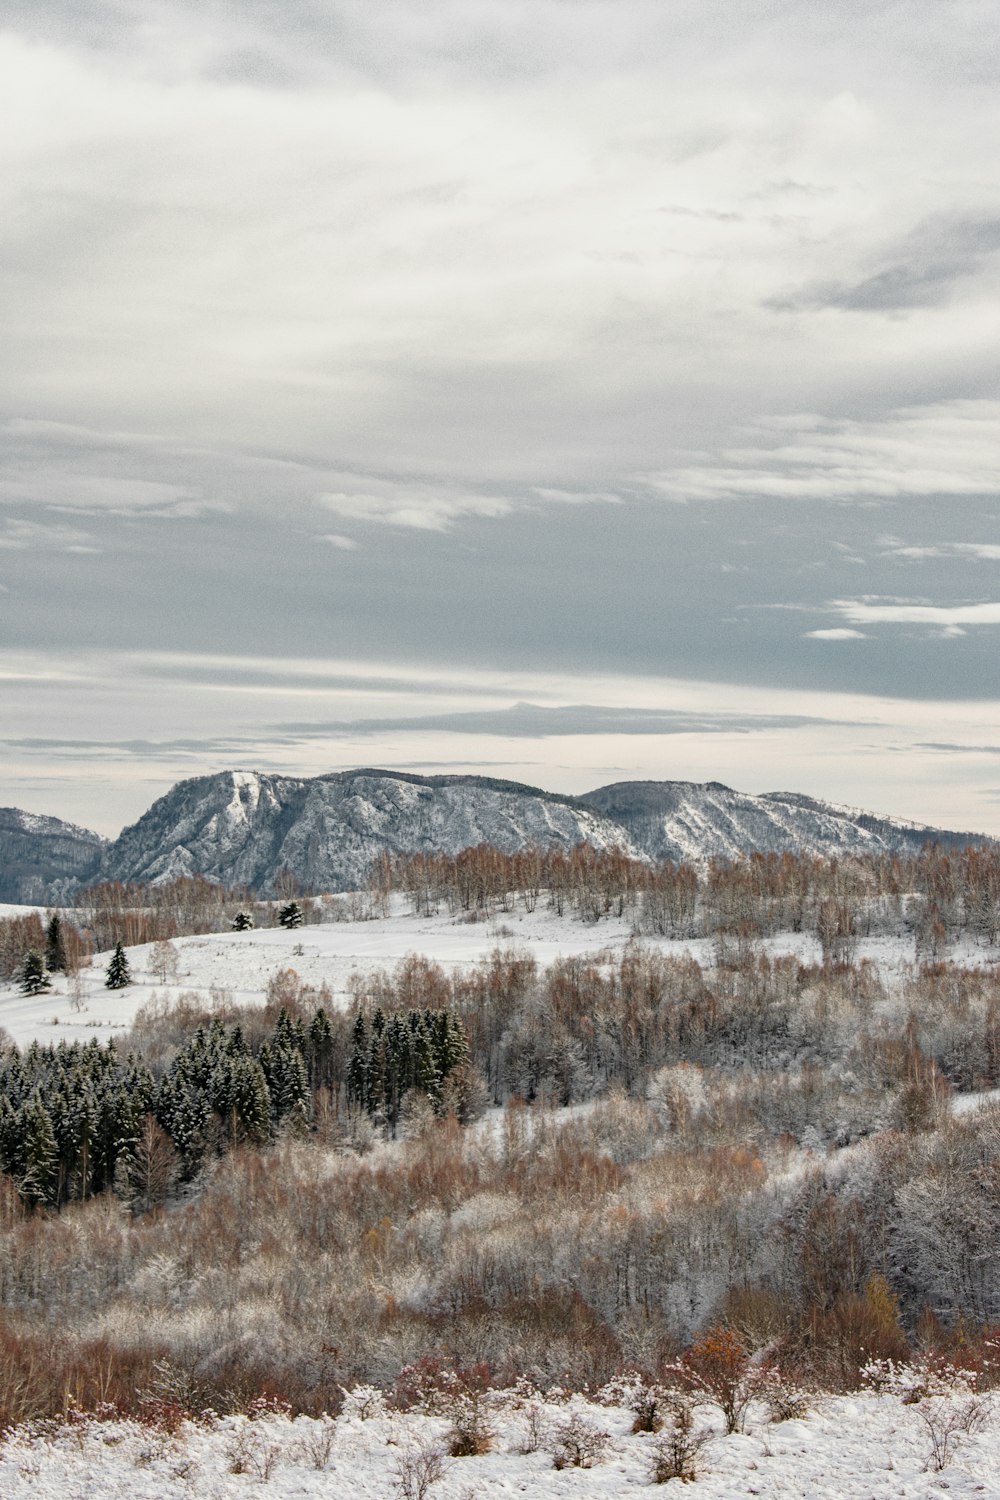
<point x="864" y="1447"/>
<point x="691" y="821"/>
<point x="335" y="954"/>
<point x="44" y="859"/>
<point x="241" y="964"/>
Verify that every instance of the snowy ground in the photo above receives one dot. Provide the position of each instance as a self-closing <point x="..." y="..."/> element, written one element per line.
<point x="859" y="1448"/>
<point x="240" y="964"/>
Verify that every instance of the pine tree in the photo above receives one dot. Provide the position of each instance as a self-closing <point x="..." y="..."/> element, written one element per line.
<point x="290" y="915"/>
<point x="55" y="944"/>
<point x="242" y="922"/>
<point x="34" y="978"/>
<point x="119" y="975"/>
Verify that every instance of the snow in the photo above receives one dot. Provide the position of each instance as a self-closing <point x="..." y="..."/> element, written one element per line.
<point x="862" y="1447"/>
<point x="240" y="964"/>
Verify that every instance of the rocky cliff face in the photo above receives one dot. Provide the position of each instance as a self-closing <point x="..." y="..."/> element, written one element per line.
<point x="244" y="828"/>
<point x="44" y="859"/>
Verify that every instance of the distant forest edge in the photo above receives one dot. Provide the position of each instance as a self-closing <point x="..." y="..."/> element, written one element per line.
<point x="932" y="897"/>
<point x="244" y="829"/>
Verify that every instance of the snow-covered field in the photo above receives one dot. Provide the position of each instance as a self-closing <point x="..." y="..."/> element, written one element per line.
<point x="863" y="1447"/>
<point x="240" y="964"/>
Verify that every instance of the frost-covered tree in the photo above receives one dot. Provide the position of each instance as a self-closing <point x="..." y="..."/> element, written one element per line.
<point x="34" y="976"/>
<point x="118" y="975"/>
<point x="163" y="961"/>
<point x="41" y="1154"/>
<point x="290" y="915"/>
<point x="242" y="922"/>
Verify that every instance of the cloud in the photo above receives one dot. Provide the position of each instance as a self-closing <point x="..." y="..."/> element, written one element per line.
<point x="946" y="748"/>
<point x="342" y="543"/>
<point x="24" y="536"/>
<point x="837" y="633"/>
<point x="947" y="617"/>
<point x="949" y="448"/>
<point x="105" y="494"/>
<point x="920" y="270"/>
<point x="532" y="721"/>
<point x="410" y="504"/>
<point x="982" y="551"/>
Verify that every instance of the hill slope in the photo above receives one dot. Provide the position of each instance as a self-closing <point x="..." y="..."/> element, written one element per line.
<point x="687" y="820"/>
<point x="44" y="859"/>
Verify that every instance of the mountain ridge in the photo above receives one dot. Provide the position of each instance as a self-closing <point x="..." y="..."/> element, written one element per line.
<point x="243" y="827"/>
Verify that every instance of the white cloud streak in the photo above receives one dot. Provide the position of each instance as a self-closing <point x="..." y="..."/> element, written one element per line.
<point x="949" y="448"/>
<point x="866" y="612"/>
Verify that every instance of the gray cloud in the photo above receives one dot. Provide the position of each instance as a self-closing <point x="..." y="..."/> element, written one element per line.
<point x="531" y="721"/>
<point x="923" y="269"/>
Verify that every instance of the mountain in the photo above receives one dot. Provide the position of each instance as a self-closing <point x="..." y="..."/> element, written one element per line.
<point x="44" y="859"/>
<point x="243" y="828"/>
<point x="690" y="820"/>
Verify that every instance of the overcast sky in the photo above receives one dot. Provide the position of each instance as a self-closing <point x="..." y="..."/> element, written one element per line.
<point x="575" y="390"/>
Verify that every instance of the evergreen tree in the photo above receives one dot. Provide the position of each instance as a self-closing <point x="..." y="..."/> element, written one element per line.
<point x="319" y="1052"/>
<point x="41" y="1155"/>
<point x="55" y="944"/>
<point x="427" y="1072"/>
<point x="119" y="975"/>
<point x="290" y="915"/>
<point x="242" y="922"/>
<point x="357" y="1066"/>
<point x="34" y="978"/>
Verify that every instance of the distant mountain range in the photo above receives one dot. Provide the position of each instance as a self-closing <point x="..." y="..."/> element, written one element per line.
<point x="243" y="828"/>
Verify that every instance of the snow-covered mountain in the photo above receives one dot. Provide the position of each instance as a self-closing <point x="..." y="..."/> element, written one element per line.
<point x="690" y="820"/>
<point x="244" y="828"/>
<point x="44" y="859"/>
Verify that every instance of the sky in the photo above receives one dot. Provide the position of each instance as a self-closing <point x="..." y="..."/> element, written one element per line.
<point x="570" y="390"/>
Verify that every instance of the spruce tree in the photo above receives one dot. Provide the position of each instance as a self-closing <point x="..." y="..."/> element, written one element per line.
<point x="119" y="975"/>
<point x="290" y="915"/>
<point x="357" y="1067"/>
<point x="319" y="1051"/>
<point x="242" y="922"/>
<point x="41" y="1155"/>
<point x="34" y="978"/>
<point x="55" y="944"/>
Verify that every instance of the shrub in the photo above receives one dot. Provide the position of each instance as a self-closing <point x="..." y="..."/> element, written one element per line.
<point x="946" y="1422"/>
<point x="416" y="1469"/>
<point x="717" y="1368"/>
<point x="678" y="1450"/>
<point x="579" y="1444"/>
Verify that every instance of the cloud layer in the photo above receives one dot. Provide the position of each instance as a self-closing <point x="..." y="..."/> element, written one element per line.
<point x="606" y="342"/>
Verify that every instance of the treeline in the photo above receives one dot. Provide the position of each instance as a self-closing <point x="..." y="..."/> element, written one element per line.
<point x="935" y="894"/>
<point x="62" y="944"/>
<point x="81" y="1119"/>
